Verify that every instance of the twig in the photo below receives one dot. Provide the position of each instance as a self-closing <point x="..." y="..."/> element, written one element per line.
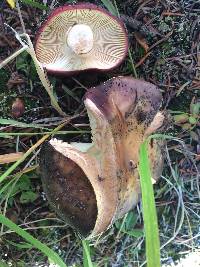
<point x="151" y="47"/>
<point x="141" y="61"/>
<point x="138" y="26"/>
<point x="161" y="40"/>
<point x="20" y="16"/>
<point x="167" y="13"/>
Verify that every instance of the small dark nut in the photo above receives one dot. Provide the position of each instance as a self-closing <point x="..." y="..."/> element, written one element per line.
<point x="17" y="108"/>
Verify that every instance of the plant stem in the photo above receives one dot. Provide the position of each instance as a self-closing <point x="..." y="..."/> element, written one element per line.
<point x="14" y="55"/>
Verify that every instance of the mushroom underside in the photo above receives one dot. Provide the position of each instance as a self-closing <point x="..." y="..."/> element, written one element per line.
<point x="60" y="51"/>
<point x="68" y="190"/>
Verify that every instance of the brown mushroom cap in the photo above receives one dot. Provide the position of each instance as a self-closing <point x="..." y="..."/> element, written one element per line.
<point x="131" y="108"/>
<point x="130" y="97"/>
<point x="104" y="177"/>
<point x="106" y="32"/>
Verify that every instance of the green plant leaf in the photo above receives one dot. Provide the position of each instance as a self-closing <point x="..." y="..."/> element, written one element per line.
<point x="195" y="108"/>
<point x="181" y="118"/>
<point x="128" y="224"/>
<point x="28" y="197"/>
<point x="3" y="264"/>
<point x="22" y="62"/>
<point x="35" y="4"/>
<point x="111" y="8"/>
<point x="149" y="209"/>
<point x="192" y="120"/>
<point x="87" y="262"/>
<point x="20" y="245"/>
<point x="130" y="221"/>
<point x="53" y="256"/>
<point x="135" y="233"/>
<point x="24" y="183"/>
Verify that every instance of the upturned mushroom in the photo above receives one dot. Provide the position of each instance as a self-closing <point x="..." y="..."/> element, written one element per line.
<point x="81" y="37"/>
<point x="92" y="185"/>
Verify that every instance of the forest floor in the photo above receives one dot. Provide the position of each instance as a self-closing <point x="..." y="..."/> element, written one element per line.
<point x="164" y="41"/>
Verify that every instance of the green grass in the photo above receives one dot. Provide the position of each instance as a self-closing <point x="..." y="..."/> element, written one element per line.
<point x="149" y="209"/>
<point x="87" y="262"/>
<point x="52" y="256"/>
<point x="36" y="4"/>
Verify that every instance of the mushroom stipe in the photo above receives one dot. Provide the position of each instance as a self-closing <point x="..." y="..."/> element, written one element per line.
<point x="92" y="185"/>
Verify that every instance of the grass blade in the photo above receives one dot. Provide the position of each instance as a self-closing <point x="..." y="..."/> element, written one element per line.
<point x="21" y="124"/>
<point x="149" y="209"/>
<point x="36" y="243"/>
<point x="29" y="151"/>
<point x="87" y="262"/>
<point x="7" y="135"/>
<point x="109" y="5"/>
<point x="20" y="245"/>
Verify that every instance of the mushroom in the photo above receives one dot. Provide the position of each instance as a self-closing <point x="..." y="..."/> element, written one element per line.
<point x="81" y="37"/>
<point x="92" y="185"/>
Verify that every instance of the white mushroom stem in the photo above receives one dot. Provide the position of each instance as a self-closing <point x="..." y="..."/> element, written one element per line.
<point x="80" y="39"/>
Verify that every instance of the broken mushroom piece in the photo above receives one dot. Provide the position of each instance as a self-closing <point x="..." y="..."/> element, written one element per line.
<point x="92" y="185"/>
<point x="81" y="37"/>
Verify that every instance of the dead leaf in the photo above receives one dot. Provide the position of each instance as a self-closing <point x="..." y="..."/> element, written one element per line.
<point x="11" y="3"/>
<point x="11" y="157"/>
<point x="141" y="40"/>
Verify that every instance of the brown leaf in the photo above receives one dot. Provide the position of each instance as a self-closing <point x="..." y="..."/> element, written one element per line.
<point x="18" y="108"/>
<point x="11" y="157"/>
<point x="141" y="40"/>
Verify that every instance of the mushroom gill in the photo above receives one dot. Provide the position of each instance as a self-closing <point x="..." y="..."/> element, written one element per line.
<point x="81" y="37"/>
<point x="104" y="175"/>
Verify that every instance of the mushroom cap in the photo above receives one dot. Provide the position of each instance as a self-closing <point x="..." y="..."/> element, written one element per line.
<point x="132" y="97"/>
<point x="110" y="42"/>
<point x="131" y="108"/>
